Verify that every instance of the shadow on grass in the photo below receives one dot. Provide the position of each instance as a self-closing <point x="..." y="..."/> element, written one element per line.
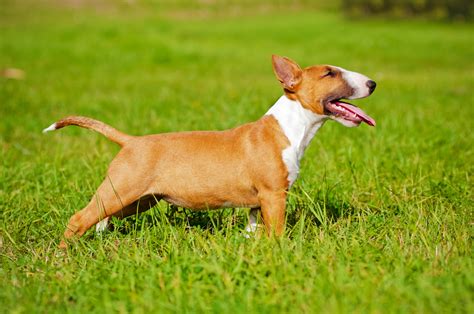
<point x="320" y="211"/>
<point x="222" y="220"/>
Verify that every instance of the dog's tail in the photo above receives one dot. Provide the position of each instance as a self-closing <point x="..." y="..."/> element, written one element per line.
<point x="88" y="123"/>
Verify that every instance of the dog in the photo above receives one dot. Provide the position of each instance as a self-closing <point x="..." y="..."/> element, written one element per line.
<point x="253" y="165"/>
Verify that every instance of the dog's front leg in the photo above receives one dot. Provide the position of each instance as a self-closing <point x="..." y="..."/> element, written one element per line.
<point x="273" y="211"/>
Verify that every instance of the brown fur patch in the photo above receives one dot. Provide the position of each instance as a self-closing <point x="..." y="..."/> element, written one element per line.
<point x="312" y="86"/>
<point x="318" y="86"/>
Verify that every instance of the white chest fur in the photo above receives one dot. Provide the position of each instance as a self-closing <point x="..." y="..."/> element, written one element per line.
<point x="299" y="125"/>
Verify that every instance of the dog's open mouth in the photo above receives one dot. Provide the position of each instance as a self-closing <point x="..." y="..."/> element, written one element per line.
<point x="348" y="112"/>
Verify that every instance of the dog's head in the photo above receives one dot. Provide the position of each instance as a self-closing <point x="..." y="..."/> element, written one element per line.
<point x="321" y="88"/>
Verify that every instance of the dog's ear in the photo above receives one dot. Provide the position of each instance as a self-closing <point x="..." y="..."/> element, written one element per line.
<point x="287" y="72"/>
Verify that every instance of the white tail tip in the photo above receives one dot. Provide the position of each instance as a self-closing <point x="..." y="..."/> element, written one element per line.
<point x="50" y="128"/>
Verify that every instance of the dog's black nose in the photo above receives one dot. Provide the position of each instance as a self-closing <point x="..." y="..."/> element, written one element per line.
<point x="371" y="85"/>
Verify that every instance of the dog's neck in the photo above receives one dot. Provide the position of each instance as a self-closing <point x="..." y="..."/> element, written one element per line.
<point x="299" y="125"/>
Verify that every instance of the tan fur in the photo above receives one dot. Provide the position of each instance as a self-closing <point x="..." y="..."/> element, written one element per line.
<point x="112" y="134"/>
<point x="310" y="86"/>
<point x="241" y="167"/>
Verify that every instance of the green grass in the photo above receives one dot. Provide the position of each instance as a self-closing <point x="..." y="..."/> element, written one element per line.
<point x="380" y="220"/>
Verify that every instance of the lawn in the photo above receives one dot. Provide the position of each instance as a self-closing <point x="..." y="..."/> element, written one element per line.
<point x="380" y="219"/>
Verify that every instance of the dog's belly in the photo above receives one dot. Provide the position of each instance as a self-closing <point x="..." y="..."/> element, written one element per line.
<point x="209" y="202"/>
<point x="208" y="189"/>
<point x="199" y="185"/>
<point x="200" y="170"/>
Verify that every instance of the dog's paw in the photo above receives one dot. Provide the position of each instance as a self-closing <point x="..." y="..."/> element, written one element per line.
<point x="102" y="225"/>
<point x="251" y="230"/>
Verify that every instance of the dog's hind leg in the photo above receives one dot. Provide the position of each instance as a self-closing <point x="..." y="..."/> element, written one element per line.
<point x="143" y="204"/>
<point x="110" y="198"/>
<point x="102" y="225"/>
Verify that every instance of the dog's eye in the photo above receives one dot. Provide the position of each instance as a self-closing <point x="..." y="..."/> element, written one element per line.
<point x="329" y="73"/>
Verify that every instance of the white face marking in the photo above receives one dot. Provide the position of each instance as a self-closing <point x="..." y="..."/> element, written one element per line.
<point x="299" y="125"/>
<point x="357" y="81"/>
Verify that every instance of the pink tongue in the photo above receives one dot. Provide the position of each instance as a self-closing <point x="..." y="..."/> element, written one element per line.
<point x="367" y="119"/>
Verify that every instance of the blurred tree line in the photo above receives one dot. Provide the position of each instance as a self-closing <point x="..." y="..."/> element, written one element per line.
<point x="435" y="9"/>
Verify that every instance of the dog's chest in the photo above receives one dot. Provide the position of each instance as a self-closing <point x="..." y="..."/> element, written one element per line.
<point x="299" y="125"/>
